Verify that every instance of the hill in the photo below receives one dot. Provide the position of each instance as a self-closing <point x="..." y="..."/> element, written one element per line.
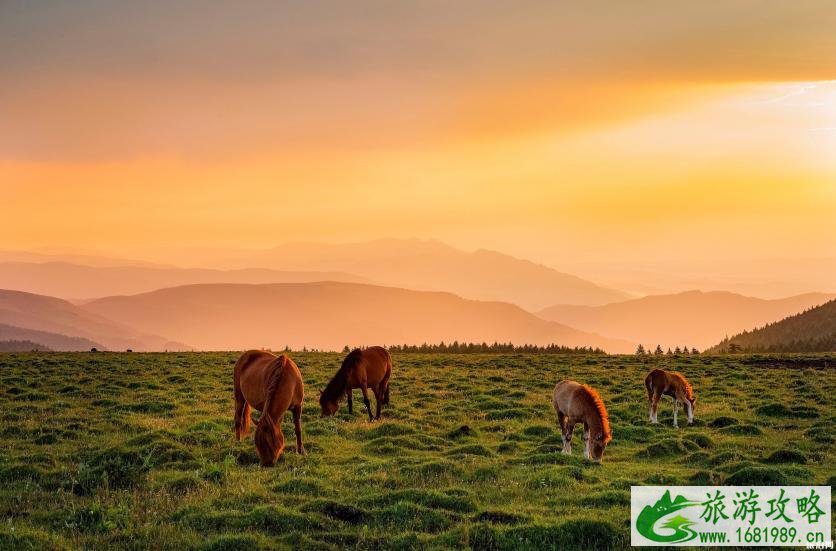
<point x="692" y="318"/>
<point x="813" y="330"/>
<point x="49" y="341"/>
<point x="22" y="346"/>
<point x="77" y="281"/>
<point x="80" y="258"/>
<point x="54" y="315"/>
<point x="329" y="315"/>
<point x="433" y="266"/>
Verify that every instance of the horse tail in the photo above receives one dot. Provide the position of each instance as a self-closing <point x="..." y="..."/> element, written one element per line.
<point x="648" y="384"/>
<point x="242" y="408"/>
<point x="386" y="378"/>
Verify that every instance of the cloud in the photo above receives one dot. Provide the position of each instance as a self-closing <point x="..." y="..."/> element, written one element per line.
<point x="98" y="80"/>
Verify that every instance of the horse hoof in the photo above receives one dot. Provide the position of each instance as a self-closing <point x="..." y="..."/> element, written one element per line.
<point x="301" y="451"/>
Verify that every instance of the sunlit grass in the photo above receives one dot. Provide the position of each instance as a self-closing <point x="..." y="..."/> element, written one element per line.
<point x="136" y="450"/>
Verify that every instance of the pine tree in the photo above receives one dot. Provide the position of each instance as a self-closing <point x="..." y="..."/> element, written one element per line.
<point x="640" y="350"/>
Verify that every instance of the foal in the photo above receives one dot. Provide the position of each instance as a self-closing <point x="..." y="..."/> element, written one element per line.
<point x="271" y="385"/>
<point x="577" y="403"/>
<point x="673" y="384"/>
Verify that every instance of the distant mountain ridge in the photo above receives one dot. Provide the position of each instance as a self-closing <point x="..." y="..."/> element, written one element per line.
<point x="431" y="265"/>
<point x="23" y="346"/>
<point x="51" y="341"/>
<point x="330" y="315"/>
<point x="53" y="315"/>
<point x="693" y="318"/>
<point x="75" y="281"/>
<point x="813" y="330"/>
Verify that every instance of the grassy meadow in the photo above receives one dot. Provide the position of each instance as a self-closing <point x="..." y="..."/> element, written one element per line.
<point x="136" y="451"/>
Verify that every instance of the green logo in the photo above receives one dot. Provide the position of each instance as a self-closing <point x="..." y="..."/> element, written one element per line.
<point x="680" y="525"/>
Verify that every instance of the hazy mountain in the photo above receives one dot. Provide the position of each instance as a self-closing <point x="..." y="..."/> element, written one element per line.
<point x="692" y="318"/>
<point x="50" y="341"/>
<point x="80" y="258"/>
<point x="74" y="281"/>
<point x="54" y="315"/>
<point x="329" y="315"/>
<point x="433" y="266"/>
<point x="813" y="330"/>
<point x="22" y="346"/>
<point x="769" y="278"/>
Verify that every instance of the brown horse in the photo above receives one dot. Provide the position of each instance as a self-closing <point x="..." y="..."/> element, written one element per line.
<point x="673" y="384"/>
<point x="577" y="403"/>
<point x="363" y="369"/>
<point x="272" y="385"/>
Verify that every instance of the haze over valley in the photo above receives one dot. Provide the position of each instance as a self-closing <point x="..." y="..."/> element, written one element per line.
<point x="326" y="296"/>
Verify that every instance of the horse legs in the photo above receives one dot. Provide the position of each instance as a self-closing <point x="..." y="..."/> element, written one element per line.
<point x="350" y="401"/>
<point x="586" y="441"/>
<point x="567" y="439"/>
<point x="366" y="401"/>
<point x="378" y="394"/>
<point x="675" y="409"/>
<point x="297" y="427"/>
<point x="242" y="415"/>
<point x="561" y="422"/>
<point x="650" y="406"/>
<point x="654" y="407"/>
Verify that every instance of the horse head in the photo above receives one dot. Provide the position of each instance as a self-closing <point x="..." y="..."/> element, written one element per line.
<point x="268" y="440"/>
<point x="329" y="406"/>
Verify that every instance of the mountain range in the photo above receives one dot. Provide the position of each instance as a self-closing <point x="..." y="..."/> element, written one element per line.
<point x="694" y="318"/>
<point x="431" y="265"/>
<point x="330" y="315"/>
<point x="326" y="296"/>
<point x="75" y="281"/>
<point x="24" y="314"/>
<point x="813" y="330"/>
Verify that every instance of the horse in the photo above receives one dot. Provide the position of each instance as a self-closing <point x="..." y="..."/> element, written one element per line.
<point x="577" y="403"/>
<point x="673" y="384"/>
<point x="271" y="385"/>
<point x="363" y="369"/>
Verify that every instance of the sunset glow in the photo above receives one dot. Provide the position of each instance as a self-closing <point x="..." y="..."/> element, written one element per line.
<point x="616" y="153"/>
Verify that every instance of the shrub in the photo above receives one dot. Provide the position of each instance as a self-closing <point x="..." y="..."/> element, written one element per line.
<point x="721" y="422"/>
<point x="757" y="476"/>
<point x="786" y="456"/>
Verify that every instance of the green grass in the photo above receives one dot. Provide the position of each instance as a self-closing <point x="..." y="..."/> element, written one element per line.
<point x="136" y="450"/>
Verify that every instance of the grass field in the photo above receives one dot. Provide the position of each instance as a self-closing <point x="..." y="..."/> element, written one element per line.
<point x="136" y="451"/>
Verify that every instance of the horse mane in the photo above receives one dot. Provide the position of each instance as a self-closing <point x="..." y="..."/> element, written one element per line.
<point x="688" y="390"/>
<point x="602" y="410"/>
<point x="336" y="386"/>
<point x="274" y="379"/>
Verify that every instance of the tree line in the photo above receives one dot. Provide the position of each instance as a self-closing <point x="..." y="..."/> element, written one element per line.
<point x="641" y="351"/>
<point x="484" y="348"/>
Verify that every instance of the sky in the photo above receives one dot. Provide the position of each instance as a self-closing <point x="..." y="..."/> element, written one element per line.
<point x="591" y="136"/>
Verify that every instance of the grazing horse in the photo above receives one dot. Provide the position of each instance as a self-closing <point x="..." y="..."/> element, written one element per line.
<point x="363" y="369"/>
<point x="577" y="403"/>
<point x="673" y="384"/>
<point x="272" y="385"/>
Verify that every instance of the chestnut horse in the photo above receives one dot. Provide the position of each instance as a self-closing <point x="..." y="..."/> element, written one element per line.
<point x="363" y="369"/>
<point x="272" y="385"/>
<point x="577" y="403"/>
<point x="673" y="384"/>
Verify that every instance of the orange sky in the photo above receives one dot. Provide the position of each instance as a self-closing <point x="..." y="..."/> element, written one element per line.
<point x="575" y="133"/>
